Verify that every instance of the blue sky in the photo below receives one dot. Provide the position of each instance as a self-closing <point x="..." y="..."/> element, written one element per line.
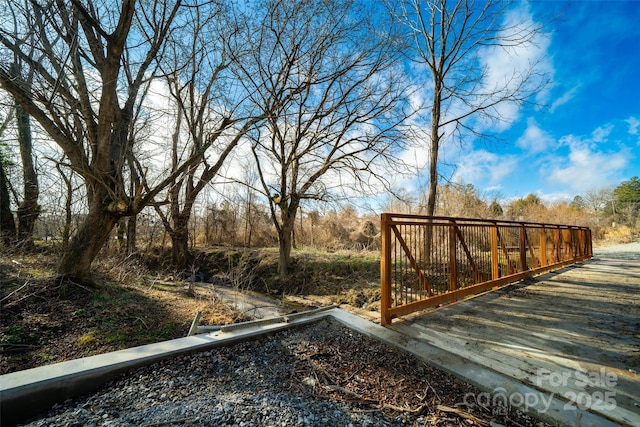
<point x="588" y="134"/>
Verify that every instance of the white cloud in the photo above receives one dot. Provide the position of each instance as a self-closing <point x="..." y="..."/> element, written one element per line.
<point x="634" y="125"/>
<point x="585" y="167"/>
<point x="496" y="189"/>
<point x="601" y="133"/>
<point x="507" y="66"/>
<point x="484" y="166"/>
<point x="553" y="197"/>
<point x="534" y="140"/>
<point x="566" y="97"/>
<point x="634" y="128"/>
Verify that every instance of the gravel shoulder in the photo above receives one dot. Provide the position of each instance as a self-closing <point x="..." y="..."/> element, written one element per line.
<point x="626" y="251"/>
<point x="319" y="375"/>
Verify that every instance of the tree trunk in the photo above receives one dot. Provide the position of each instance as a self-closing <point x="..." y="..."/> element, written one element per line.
<point x="29" y="209"/>
<point x="248" y="226"/>
<point x="433" y="178"/>
<point x="68" y="214"/>
<point x="120" y="236"/>
<point x="285" y="238"/>
<point x="180" y="254"/>
<point x="178" y="231"/>
<point x="7" y="223"/>
<point x="176" y="226"/>
<point x="132" y="223"/>
<point x="87" y="242"/>
<point x="285" y="252"/>
<point x="435" y="143"/>
<point x="433" y="161"/>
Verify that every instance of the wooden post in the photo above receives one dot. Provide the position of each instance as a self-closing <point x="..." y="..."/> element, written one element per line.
<point x="453" y="262"/>
<point x="385" y="268"/>
<point x="523" y="248"/>
<point x="543" y="247"/>
<point x="194" y="325"/>
<point x="495" y="257"/>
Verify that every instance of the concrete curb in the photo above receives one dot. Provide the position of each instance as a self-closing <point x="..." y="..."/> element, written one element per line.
<point x="26" y="393"/>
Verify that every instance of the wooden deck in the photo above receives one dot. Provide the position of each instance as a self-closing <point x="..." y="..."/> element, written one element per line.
<point x="573" y="334"/>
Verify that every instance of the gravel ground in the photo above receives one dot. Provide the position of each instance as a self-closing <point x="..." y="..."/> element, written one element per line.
<point x="627" y="251"/>
<point x="319" y="375"/>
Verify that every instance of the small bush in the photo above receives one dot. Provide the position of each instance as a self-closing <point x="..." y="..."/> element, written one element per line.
<point x="87" y="340"/>
<point x="619" y="233"/>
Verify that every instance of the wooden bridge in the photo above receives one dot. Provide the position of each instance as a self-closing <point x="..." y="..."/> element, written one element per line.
<point x="427" y="261"/>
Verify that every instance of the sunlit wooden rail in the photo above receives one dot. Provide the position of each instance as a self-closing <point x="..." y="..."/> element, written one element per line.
<point x="429" y="261"/>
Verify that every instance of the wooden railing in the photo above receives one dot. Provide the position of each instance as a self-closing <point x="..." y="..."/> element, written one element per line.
<point x="429" y="261"/>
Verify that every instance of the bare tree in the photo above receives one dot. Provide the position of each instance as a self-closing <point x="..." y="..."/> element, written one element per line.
<point x="250" y="179"/>
<point x="329" y="89"/>
<point x="7" y="222"/>
<point x="597" y="198"/>
<point x="210" y="118"/>
<point x="67" y="179"/>
<point x="209" y="110"/>
<point x="452" y="41"/>
<point x="95" y="59"/>
<point x="29" y="209"/>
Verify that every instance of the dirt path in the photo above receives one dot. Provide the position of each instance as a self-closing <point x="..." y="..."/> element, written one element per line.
<point x="252" y="304"/>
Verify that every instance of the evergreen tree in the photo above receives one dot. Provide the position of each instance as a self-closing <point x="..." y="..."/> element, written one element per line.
<point x="626" y="200"/>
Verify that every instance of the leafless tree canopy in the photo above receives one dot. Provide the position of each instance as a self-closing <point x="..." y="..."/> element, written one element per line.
<point x="456" y="42"/>
<point x="209" y="110"/>
<point x="332" y="99"/>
